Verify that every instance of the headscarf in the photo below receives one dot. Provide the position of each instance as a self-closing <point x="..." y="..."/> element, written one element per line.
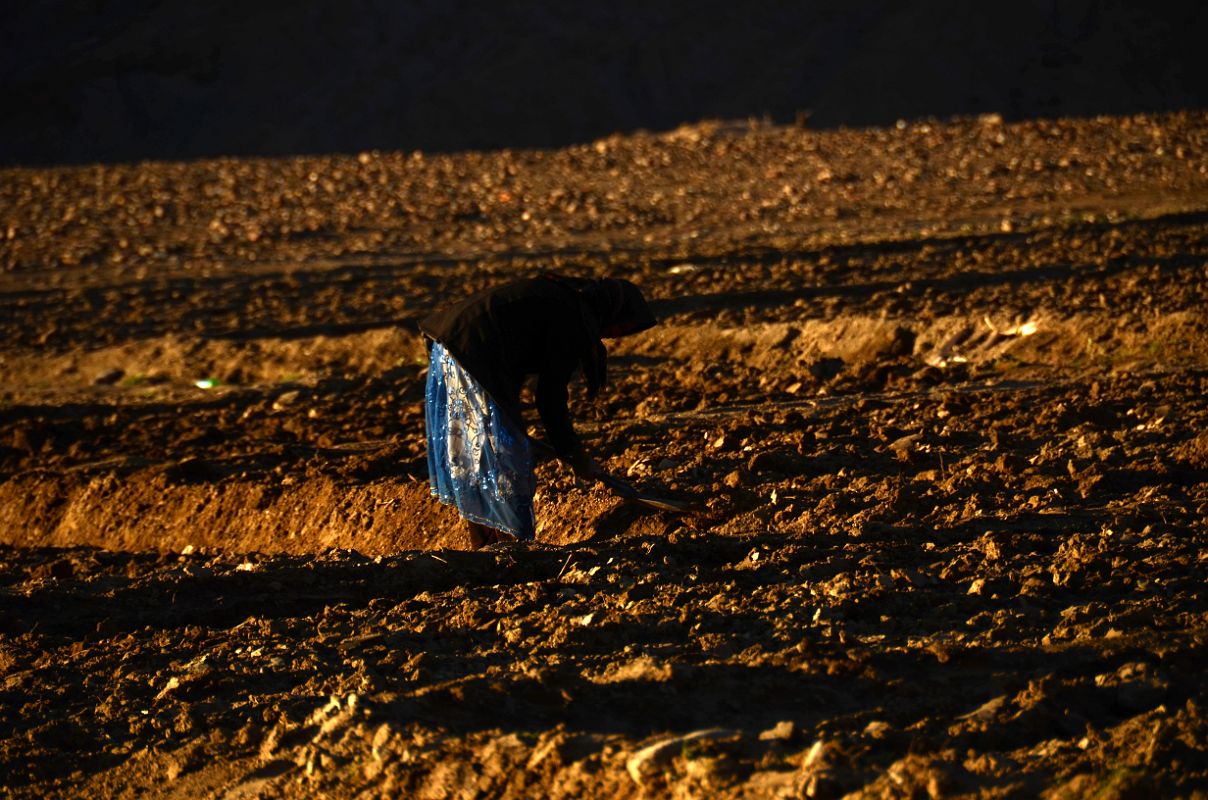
<point x="611" y="306"/>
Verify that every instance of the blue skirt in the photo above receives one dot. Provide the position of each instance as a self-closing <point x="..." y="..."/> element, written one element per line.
<point x="478" y="460"/>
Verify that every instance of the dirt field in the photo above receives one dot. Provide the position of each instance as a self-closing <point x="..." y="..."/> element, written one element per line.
<point x="938" y="389"/>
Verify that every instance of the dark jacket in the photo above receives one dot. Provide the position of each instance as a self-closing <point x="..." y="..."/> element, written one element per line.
<point x="545" y="327"/>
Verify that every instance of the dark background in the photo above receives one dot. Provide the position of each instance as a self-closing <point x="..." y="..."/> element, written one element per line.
<point x="116" y="81"/>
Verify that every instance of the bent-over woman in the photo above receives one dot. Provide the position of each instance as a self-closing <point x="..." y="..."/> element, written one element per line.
<point x="480" y="458"/>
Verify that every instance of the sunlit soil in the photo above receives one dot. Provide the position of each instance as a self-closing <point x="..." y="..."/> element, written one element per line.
<point x="937" y="392"/>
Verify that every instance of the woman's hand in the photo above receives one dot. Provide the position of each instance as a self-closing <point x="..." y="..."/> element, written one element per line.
<point x="586" y="468"/>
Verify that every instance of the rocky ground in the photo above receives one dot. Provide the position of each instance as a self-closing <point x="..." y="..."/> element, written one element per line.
<point x="938" y="391"/>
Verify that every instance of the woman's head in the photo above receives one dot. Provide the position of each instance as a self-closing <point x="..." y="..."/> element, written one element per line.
<point x="619" y="307"/>
<point x="611" y="307"/>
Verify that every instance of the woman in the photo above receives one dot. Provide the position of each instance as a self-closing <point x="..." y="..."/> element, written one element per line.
<point x="480" y="458"/>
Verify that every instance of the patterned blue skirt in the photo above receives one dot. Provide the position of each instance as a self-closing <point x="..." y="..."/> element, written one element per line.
<point x="478" y="460"/>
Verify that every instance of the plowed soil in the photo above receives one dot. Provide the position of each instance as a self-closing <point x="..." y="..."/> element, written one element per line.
<point x="937" y="390"/>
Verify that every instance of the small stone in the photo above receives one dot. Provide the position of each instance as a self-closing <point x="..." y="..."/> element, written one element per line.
<point x="816" y="755"/>
<point x="987" y="710"/>
<point x="704" y="770"/>
<point x="764" y="461"/>
<point x="550" y="749"/>
<point x="286" y="399"/>
<point x="380" y="737"/>
<point x="783" y="731"/>
<point x="172" y="684"/>
<point x="109" y="377"/>
<point x="272" y="740"/>
<point x="733" y="480"/>
<point x="905" y="446"/>
<point x="638" y="469"/>
<point x="649" y="761"/>
<point x="877" y="729"/>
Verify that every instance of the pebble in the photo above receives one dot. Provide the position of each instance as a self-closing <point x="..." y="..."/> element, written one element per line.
<point x="783" y="731"/>
<point x="987" y="710"/>
<point x="904" y="446"/>
<point x="109" y="377"/>
<point x="763" y="461"/>
<point x="286" y="399"/>
<point x="648" y="761"/>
